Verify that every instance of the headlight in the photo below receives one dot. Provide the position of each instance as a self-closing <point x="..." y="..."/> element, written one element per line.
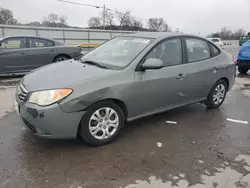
<point x="47" y="97"/>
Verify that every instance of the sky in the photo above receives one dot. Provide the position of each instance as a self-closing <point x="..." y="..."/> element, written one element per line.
<point x="190" y="16"/>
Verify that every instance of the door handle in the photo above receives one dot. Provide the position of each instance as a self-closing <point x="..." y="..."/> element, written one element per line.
<point x="180" y="76"/>
<point x="52" y="50"/>
<point x="23" y="53"/>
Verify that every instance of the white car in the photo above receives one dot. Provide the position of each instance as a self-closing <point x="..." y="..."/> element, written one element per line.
<point x="216" y="41"/>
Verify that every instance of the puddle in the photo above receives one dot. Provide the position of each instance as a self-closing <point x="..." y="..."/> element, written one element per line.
<point x="224" y="177"/>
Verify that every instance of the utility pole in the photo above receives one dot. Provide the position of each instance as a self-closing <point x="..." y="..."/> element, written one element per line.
<point x="103" y="16"/>
<point x="95" y="6"/>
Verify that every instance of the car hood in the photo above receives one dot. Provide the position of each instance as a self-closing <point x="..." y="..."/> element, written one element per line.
<point x="61" y="75"/>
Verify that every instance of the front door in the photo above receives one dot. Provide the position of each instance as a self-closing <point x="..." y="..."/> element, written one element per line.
<point x="13" y="55"/>
<point x="156" y="90"/>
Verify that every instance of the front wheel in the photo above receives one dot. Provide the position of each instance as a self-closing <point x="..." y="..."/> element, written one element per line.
<point x="242" y="70"/>
<point x="61" y="58"/>
<point x="102" y="123"/>
<point x="217" y="95"/>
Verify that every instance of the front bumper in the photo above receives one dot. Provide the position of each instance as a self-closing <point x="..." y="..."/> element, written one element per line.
<point x="50" y="121"/>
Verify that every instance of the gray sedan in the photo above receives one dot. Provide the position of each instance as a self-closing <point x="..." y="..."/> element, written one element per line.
<point x="19" y="55"/>
<point x="127" y="78"/>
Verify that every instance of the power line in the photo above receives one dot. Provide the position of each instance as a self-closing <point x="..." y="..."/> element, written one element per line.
<point x="75" y="3"/>
<point x="95" y="6"/>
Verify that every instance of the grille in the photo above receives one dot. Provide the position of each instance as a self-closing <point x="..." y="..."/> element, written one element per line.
<point x="21" y="93"/>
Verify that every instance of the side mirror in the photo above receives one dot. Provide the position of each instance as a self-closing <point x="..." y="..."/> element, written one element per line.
<point x="152" y="63"/>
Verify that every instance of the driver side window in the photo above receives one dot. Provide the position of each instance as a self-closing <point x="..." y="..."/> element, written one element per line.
<point x="169" y="51"/>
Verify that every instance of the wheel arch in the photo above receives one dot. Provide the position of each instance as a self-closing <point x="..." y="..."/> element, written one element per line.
<point x="226" y="80"/>
<point x="116" y="101"/>
<point x="61" y="54"/>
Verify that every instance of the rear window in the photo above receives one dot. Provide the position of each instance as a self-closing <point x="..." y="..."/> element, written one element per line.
<point x="39" y="43"/>
<point x="197" y="49"/>
<point x="50" y="43"/>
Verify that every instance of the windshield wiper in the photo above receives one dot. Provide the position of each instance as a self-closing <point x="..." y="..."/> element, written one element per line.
<point x="93" y="63"/>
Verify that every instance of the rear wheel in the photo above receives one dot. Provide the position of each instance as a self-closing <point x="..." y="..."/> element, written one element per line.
<point x="242" y="70"/>
<point x="61" y="58"/>
<point x="102" y="123"/>
<point x="217" y="95"/>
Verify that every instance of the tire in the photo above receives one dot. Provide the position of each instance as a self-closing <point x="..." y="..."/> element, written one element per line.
<point x="242" y="70"/>
<point x="216" y="98"/>
<point x="61" y="58"/>
<point x="101" y="126"/>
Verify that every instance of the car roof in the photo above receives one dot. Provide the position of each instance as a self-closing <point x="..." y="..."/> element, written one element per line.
<point x="155" y="35"/>
<point x="215" y="38"/>
<point x="25" y="36"/>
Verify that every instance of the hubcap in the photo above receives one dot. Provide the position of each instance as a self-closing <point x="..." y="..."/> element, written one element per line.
<point x="61" y="59"/>
<point x="103" y="123"/>
<point x="219" y="94"/>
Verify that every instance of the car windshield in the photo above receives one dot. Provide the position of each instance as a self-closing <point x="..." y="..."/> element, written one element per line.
<point x="118" y="52"/>
<point x="215" y="40"/>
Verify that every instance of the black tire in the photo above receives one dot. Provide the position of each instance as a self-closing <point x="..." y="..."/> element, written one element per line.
<point x="210" y="103"/>
<point x="61" y="58"/>
<point x="84" y="130"/>
<point x="242" y="70"/>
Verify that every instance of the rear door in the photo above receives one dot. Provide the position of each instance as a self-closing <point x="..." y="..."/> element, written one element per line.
<point x="201" y="68"/>
<point x="13" y="55"/>
<point x="40" y="52"/>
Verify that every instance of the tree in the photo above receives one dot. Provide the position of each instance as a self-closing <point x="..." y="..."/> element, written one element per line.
<point x="6" y="17"/>
<point x="136" y="23"/>
<point x="124" y="18"/>
<point x="239" y="33"/>
<point x="63" y="20"/>
<point x="226" y="33"/>
<point x="95" y="22"/>
<point x="34" y="23"/>
<point x="166" y="28"/>
<point x="157" y="24"/>
<point x="109" y="18"/>
<point x="54" y="20"/>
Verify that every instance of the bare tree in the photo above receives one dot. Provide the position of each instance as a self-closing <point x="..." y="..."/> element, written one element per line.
<point x="136" y="24"/>
<point x="166" y="28"/>
<point x="95" y="22"/>
<point x="226" y="33"/>
<point x="124" y="18"/>
<point x="6" y="17"/>
<point x="52" y="18"/>
<point x="239" y="33"/>
<point x="63" y="20"/>
<point x="177" y="30"/>
<point x="157" y="24"/>
<point x="109" y="18"/>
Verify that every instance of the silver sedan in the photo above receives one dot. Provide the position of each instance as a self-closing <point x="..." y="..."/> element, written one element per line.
<point x="127" y="78"/>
